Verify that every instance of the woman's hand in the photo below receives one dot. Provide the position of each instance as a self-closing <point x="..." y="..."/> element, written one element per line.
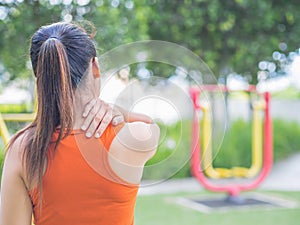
<point x="98" y="115"/>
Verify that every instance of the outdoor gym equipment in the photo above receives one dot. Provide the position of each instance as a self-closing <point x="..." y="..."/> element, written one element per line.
<point x="207" y="154"/>
<point x="202" y="150"/>
<point x="12" y="117"/>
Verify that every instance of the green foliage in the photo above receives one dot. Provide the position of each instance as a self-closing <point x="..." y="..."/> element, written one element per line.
<point x="228" y="35"/>
<point x="287" y="94"/>
<point x="286" y="138"/>
<point x="173" y="154"/>
<point x="16" y="29"/>
<point x="236" y="146"/>
<point x="15" y="108"/>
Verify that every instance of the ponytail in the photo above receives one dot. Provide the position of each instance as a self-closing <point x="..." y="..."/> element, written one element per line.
<point x="55" y="100"/>
<point x="54" y="105"/>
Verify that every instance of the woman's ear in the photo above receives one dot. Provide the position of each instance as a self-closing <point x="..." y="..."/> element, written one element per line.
<point x="95" y="68"/>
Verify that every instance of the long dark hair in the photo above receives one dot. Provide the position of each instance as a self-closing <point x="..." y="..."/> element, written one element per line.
<point x="60" y="54"/>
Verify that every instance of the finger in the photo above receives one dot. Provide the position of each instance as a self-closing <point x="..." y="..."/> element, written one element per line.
<point x="96" y="120"/>
<point x="96" y="105"/>
<point x="88" y="120"/>
<point x="117" y="120"/>
<point x="88" y="107"/>
<point x="104" y="123"/>
<point x="118" y="116"/>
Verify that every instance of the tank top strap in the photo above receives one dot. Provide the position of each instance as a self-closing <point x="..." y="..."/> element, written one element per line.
<point x="109" y="134"/>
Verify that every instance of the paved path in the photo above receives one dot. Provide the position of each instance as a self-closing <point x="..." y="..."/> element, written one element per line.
<point x="285" y="176"/>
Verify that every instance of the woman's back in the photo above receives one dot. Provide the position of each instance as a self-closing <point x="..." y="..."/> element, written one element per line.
<point x="79" y="186"/>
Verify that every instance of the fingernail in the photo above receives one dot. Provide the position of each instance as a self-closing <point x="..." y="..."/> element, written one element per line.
<point x="83" y="128"/>
<point x="97" y="135"/>
<point x="116" y="121"/>
<point x="88" y="134"/>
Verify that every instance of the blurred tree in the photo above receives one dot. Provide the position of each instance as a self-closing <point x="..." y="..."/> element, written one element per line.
<point x="16" y="27"/>
<point x="117" y="22"/>
<point x="231" y="35"/>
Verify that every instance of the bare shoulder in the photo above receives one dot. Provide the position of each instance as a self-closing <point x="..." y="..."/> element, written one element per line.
<point x="139" y="136"/>
<point x="14" y="192"/>
<point x="14" y="155"/>
<point x="132" y="147"/>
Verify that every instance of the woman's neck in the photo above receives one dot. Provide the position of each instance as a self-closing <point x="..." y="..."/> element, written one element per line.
<point x="88" y="89"/>
<point x="80" y="102"/>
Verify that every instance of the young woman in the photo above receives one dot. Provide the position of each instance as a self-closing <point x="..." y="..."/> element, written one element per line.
<point x="55" y="170"/>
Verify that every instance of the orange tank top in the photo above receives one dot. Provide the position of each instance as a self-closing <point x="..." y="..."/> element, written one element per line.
<point x="80" y="188"/>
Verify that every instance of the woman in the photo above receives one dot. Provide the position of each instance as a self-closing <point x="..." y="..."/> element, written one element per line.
<point x="52" y="169"/>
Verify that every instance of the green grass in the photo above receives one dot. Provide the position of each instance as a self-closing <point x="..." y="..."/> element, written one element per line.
<point x="161" y="210"/>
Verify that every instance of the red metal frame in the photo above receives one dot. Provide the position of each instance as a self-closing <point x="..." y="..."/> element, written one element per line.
<point x="196" y="167"/>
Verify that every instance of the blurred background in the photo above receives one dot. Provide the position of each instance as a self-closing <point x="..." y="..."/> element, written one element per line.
<point x="251" y="38"/>
<point x="243" y="42"/>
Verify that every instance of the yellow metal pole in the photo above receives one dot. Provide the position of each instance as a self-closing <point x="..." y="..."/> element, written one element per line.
<point x="20" y="117"/>
<point x="207" y="145"/>
<point x="3" y="131"/>
<point x="257" y="141"/>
